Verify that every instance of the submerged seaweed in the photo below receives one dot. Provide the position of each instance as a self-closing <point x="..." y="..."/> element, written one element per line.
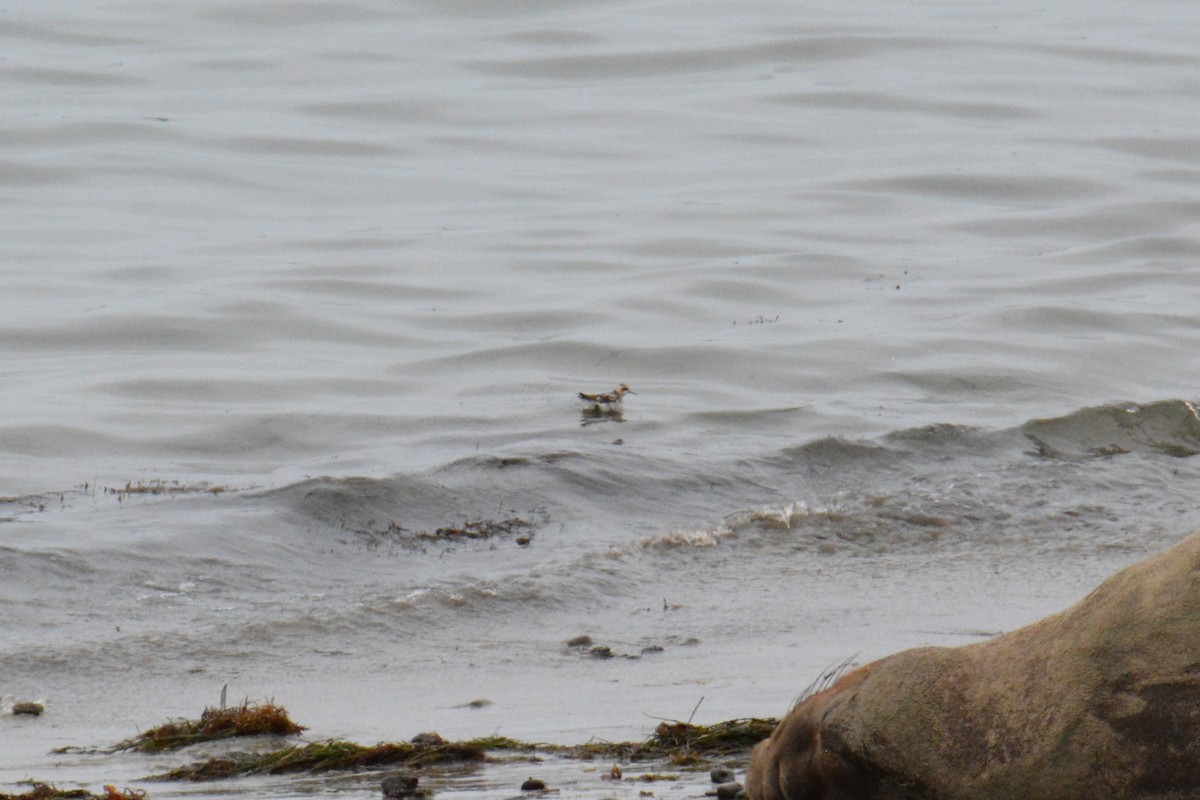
<point x="469" y="530"/>
<point x="325" y="757"/>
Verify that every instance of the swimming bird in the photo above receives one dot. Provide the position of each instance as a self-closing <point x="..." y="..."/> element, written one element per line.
<point x="606" y="403"/>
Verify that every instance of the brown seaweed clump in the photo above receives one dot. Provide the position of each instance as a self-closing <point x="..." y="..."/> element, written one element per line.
<point x="682" y="743"/>
<point x="47" y="791"/>
<point x="214" y="723"/>
<point x="158" y="486"/>
<point x="723" y="738"/>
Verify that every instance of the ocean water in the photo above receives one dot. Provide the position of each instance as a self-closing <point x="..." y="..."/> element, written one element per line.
<point x="295" y="299"/>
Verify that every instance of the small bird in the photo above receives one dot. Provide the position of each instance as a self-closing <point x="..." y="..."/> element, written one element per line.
<point x="607" y="403"/>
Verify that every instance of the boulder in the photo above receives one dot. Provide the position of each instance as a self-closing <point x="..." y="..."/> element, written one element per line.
<point x="1098" y="702"/>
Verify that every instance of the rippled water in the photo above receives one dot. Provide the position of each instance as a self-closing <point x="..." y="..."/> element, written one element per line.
<point x="297" y="297"/>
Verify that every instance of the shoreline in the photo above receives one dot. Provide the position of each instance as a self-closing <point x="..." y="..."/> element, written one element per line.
<point x="542" y="693"/>
<point x="676" y="754"/>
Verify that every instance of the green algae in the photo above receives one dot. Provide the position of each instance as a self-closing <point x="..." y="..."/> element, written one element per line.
<point x="325" y="756"/>
<point x="680" y="743"/>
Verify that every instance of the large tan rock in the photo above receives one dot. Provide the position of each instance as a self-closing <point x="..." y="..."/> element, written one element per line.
<point x="1098" y="702"/>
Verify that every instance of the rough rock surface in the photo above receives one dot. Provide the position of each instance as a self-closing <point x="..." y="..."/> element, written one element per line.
<point x="1098" y="702"/>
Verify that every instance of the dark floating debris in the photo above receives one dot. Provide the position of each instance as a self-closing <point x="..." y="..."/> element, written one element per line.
<point x="479" y="529"/>
<point x="475" y="530"/>
<point x="482" y="702"/>
<point x="588" y="646"/>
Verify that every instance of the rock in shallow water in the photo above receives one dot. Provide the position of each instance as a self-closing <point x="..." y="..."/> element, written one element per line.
<point x="400" y="784"/>
<point x="1098" y="702"/>
<point x="28" y="708"/>
<point x="728" y="791"/>
<point x="721" y="775"/>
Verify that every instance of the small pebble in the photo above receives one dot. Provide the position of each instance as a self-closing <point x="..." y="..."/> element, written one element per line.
<point x="603" y="651"/>
<point x="28" y="708"/>
<point x="579" y="641"/>
<point x="721" y="775"/>
<point x="533" y="785"/>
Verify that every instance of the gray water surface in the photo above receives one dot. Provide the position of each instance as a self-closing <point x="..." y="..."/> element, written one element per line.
<point x="907" y="296"/>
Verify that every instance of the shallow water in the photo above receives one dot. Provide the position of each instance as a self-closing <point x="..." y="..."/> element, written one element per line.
<point x="907" y="300"/>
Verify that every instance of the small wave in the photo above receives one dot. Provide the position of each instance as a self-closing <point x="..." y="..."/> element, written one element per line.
<point x="774" y="517"/>
<point x="944" y="437"/>
<point x="1169" y="427"/>
<point x="876" y="522"/>
<point x="781" y="517"/>
<point x="474" y="605"/>
<point x="983" y="188"/>
<point x="833" y="451"/>
<point x="686" y="538"/>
